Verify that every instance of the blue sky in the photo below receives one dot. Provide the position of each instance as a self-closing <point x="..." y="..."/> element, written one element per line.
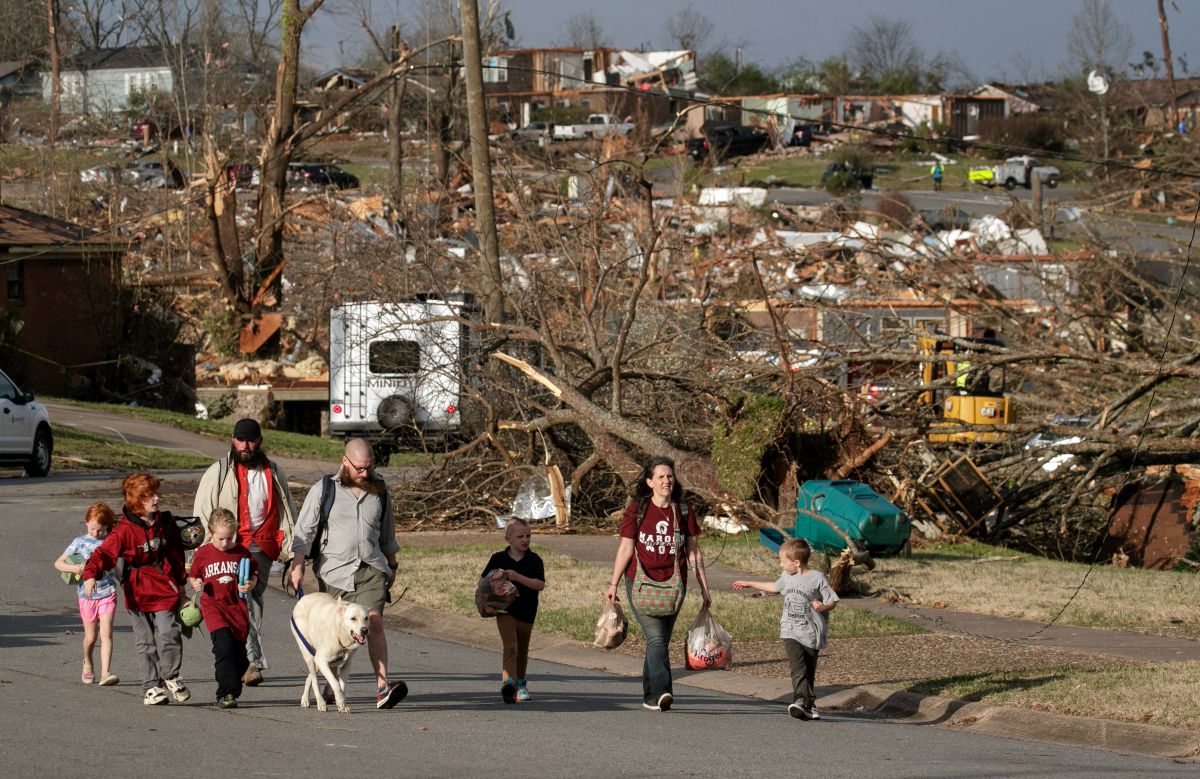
<point x="1005" y="39"/>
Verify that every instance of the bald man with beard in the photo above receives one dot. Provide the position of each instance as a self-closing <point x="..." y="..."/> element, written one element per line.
<point x="357" y="558"/>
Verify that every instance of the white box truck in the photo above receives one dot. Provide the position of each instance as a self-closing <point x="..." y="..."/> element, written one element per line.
<point x="396" y="370"/>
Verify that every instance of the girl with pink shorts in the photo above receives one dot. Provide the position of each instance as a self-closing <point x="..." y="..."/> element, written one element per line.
<point x="96" y="611"/>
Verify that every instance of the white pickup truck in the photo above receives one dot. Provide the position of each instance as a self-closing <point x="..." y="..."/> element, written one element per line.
<point x="1015" y="172"/>
<point x="596" y="126"/>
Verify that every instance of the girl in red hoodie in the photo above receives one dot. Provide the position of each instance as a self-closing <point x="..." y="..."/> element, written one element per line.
<point x="147" y="541"/>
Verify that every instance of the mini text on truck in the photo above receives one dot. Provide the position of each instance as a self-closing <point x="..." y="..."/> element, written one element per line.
<point x="396" y="370"/>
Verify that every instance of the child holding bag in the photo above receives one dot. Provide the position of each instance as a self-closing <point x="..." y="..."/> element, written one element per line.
<point x="525" y="569"/>
<point x="804" y="624"/>
<point x="215" y="574"/>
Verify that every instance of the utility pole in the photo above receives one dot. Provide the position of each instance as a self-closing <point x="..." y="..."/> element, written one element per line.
<point x="1166" y="43"/>
<point x="481" y="164"/>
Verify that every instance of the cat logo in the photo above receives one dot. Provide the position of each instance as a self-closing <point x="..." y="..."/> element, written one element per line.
<point x="224" y="579"/>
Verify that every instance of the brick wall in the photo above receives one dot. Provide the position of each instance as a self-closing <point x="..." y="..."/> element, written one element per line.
<point x="70" y="315"/>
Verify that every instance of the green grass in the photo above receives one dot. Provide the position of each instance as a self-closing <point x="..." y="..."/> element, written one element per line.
<point x="1155" y="693"/>
<point x="571" y="602"/>
<point x="78" y="450"/>
<point x="277" y="442"/>
<point x="371" y="175"/>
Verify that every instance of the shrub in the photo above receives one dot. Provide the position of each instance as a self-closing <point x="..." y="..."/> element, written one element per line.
<point x="1019" y="134"/>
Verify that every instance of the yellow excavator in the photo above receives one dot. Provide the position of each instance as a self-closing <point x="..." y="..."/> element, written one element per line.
<point x="971" y="410"/>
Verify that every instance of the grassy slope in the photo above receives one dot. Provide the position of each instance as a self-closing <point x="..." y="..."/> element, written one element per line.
<point x="277" y="442"/>
<point x="968" y="577"/>
<point x="571" y="602"/>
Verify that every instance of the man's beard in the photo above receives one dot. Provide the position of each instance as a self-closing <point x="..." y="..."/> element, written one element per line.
<point x="250" y="459"/>
<point x="368" y="484"/>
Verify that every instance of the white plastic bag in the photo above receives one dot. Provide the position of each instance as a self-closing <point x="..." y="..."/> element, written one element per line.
<point x="708" y="647"/>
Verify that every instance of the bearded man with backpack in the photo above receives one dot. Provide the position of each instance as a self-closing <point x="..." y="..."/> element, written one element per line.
<point x="254" y="489"/>
<point x="346" y="527"/>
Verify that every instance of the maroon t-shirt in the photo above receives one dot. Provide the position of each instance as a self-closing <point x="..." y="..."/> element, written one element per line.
<point x="220" y="603"/>
<point x="654" y="539"/>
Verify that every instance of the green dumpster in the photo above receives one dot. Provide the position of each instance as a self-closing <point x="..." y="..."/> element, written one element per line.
<point x="871" y="521"/>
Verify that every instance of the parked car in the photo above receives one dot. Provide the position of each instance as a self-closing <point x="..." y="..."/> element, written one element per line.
<point x="143" y="174"/>
<point x="25" y="435"/>
<point x="243" y="174"/>
<point x="317" y="175"/>
<point x="803" y="134"/>
<point x="863" y="179"/>
<point x="724" y="141"/>
<point x="143" y="129"/>
<point x="153" y="174"/>
<point x="1015" y="172"/>
<point x="596" y="126"/>
<point x="533" y="131"/>
<point x="100" y="174"/>
<point x="948" y="218"/>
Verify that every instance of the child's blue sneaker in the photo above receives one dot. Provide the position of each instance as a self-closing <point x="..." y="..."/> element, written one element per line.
<point x="522" y="691"/>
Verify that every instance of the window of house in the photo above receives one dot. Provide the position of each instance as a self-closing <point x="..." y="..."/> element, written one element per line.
<point x="394" y="357"/>
<point x="141" y="82"/>
<point x="495" y="70"/>
<point x="14" y="276"/>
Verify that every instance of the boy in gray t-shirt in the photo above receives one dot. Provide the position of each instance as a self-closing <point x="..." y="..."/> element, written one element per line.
<point x="804" y="624"/>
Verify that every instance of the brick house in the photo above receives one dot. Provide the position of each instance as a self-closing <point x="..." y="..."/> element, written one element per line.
<point x="61" y="312"/>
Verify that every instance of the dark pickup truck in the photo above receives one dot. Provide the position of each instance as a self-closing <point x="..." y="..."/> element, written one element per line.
<point x="722" y="141"/>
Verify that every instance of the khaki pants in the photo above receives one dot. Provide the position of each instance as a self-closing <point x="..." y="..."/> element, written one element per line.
<point x="514" y="635"/>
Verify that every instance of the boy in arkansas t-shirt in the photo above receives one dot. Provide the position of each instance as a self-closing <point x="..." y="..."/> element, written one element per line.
<point x="214" y="574"/>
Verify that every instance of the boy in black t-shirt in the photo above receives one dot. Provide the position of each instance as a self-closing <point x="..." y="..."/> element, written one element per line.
<point x="524" y="569"/>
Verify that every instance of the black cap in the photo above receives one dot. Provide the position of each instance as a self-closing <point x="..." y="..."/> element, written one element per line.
<point x="247" y="430"/>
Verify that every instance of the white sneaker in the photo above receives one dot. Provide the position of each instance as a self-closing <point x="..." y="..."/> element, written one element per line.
<point x="178" y="689"/>
<point x="813" y="713"/>
<point x="155" y="696"/>
<point x="664" y="701"/>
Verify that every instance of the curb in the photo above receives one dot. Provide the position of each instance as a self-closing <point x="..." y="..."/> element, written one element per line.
<point x="865" y="700"/>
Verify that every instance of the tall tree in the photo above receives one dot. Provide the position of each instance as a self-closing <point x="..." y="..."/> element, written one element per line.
<point x="22" y="30"/>
<point x="104" y="23"/>
<point x="1098" y="39"/>
<point x="688" y="29"/>
<point x="721" y="75"/>
<point x="585" y="31"/>
<point x="886" y="54"/>
<point x="1166" y="44"/>
<point x="278" y="145"/>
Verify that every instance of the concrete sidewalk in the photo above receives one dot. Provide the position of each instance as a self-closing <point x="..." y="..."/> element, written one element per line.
<point x="865" y="700"/>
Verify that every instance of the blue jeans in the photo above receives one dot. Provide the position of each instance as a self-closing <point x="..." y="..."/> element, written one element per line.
<point x="656" y="671"/>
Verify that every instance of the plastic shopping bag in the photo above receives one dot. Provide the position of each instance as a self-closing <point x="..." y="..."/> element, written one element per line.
<point x="709" y="647"/>
<point x="494" y="594"/>
<point x="611" y="628"/>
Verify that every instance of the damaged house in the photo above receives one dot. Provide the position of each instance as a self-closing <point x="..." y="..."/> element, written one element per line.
<point x="521" y="82"/>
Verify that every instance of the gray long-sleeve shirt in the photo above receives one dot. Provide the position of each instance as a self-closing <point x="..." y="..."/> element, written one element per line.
<point x="358" y="532"/>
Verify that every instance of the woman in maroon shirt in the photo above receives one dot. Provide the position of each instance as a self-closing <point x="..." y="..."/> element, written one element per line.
<point x="648" y="539"/>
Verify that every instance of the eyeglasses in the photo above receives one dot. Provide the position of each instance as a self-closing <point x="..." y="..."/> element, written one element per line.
<point x="358" y="468"/>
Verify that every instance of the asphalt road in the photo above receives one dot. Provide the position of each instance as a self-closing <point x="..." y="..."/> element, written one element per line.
<point x="453" y="723"/>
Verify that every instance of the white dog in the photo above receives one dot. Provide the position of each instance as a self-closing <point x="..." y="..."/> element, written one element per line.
<point x="327" y="632"/>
